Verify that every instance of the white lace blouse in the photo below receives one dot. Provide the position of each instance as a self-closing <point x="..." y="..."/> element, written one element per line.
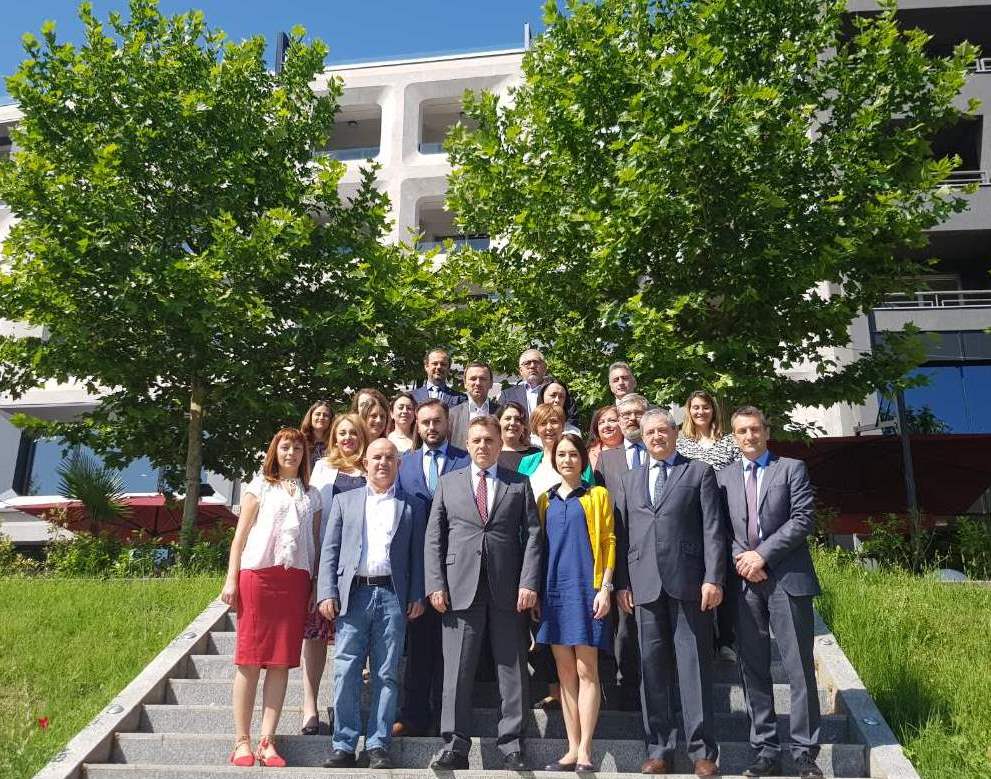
<point x="283" y="530"/>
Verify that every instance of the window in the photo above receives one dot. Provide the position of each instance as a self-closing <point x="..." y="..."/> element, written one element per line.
<point x="956" y="395"/>
<point x="437" y="117"/>
<point x="49" y="453"/>
<point x="357" y="133"/>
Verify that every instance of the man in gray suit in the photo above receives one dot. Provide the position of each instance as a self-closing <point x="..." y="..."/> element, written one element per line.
<point x="483" y="566"/>
<point x="672" y="562"/>
<point x="478" y="382"/>
<point x="769" y="502"/>
<point x="371" y="581"/>
<point x="613" y="465"/>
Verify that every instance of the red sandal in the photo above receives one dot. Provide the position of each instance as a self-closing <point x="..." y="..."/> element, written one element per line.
<point x="273" y="761"/>
<point x="245" y="761"/>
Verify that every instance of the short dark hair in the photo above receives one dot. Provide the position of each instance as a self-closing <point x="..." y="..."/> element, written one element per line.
<point x="430" y="403"/>
<point x="442" y="349"/>
<point x="576" y="441"/>
<point x="548" y="380"/>
<point x="479" y="364"/>
<point x="748" y="411"/>
<point x="486" y="420"/>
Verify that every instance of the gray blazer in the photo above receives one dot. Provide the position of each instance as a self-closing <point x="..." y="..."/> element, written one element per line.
<point x="677" y="546"/>
<point x="611" y="468"/>
<point x="458" y="420"/>
<point x="457" y="540"/>
<point x="786" y="509"/>
<point x="341" y="551"/>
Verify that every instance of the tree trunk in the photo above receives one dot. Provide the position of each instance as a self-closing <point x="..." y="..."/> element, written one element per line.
<point x="194" y="464"/>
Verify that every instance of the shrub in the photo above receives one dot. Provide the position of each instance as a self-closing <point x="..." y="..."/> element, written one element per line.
<point x="14" y="564"/>
<point x="897" y="543"/>
<point x="973" y="542"/>
<point x="85" y="554"/>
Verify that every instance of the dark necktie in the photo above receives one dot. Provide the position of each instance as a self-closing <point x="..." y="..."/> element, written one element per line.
<point x="659" y="481"/>
<point x="636" y="462"/>
<point x="753" y="529"/>
<point x="482" y="496"/>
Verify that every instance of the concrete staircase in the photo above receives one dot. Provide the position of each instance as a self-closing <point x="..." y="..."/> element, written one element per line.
<point x="185" y="730"/>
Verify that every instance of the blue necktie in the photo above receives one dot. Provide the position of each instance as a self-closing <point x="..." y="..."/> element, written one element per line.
<point x="433" y="473"/>
<point x="636" y="457"/>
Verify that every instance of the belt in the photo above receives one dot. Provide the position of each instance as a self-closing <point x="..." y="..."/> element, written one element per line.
<point x="373" y="581"/>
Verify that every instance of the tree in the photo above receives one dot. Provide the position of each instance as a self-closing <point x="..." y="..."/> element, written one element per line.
<point x="187" y="255"/>
<point x="712" y="191"/>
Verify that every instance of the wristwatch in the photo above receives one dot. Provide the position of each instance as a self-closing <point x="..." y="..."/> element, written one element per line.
<point x="607" y="586"/>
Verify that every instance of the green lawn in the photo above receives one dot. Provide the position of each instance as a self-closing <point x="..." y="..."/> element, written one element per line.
<point x="69" y="645"/>
<point x="924" y="651"/>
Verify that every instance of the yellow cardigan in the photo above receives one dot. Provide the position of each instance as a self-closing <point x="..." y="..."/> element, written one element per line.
<point x="597" y="504"/>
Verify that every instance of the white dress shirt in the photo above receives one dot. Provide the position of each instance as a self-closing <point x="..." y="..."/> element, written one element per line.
<point x="477" y="411"/>
<point x="532" y="393"/>
<point x="630" y="446"/>
<point x="376" y="536"/>
<point x="441" y="454"/>
<point x="655" y="465"/>
<point x="490" y="484"/>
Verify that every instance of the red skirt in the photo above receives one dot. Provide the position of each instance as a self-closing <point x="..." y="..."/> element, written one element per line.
<point x="272" y="613"/>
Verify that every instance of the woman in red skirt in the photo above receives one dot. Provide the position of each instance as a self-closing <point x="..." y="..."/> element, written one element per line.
<point x="269" y="584"/>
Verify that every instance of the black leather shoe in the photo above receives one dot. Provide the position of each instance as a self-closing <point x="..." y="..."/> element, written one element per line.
<point x="340" y="759"/>
<point x="378" y="758"/>
<point x="450" y="761"/>
<point x="807" y="768"/>
<point x="559" y="766"/>
<point x="763" y="766"/>
<point x="514" y="762"/>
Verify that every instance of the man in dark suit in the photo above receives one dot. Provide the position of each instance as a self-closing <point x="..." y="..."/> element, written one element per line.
<point x="483" y="565"/>
<point x="769" y="503"/>
<point x="419" y="473"/>
<point x="613" y="465"/>
<point x="478" y="382"/>
<point x="533" y="372"/>
<point x="672" y="562"/>
<point x="437" y="367"/>
<point x="371" y="581"/>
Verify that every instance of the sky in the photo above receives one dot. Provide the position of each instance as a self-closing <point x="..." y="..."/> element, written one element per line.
<point x="355" y="30"/>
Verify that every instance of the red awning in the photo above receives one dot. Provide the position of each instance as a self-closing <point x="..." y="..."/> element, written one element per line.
<point x="863" y="477"/>
<point x="149" y="513"/>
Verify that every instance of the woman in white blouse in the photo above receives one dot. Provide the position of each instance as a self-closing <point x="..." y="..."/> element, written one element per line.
<point x="270" y="581"/>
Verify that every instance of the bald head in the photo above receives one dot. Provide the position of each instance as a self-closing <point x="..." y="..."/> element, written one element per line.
<point x="381" y="464"/>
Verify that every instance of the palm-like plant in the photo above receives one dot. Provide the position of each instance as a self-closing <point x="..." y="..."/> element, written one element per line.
<point x="98" y="488"/>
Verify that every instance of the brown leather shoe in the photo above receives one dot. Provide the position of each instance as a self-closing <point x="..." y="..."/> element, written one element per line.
<point x="654" y="765"/>
<point x="705" y="767"/>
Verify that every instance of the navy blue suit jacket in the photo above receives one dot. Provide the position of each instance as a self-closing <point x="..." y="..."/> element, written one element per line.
<point x="517" y="393"/>
<point x="448" y="396"/>
<point x="411" y="477"/>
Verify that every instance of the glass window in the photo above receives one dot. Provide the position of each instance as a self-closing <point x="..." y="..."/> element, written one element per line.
<point x="139" y="476"/>
<point x="955" y="396"/>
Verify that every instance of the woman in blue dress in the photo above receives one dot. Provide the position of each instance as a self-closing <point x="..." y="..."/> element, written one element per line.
<point x="581" y="556"/>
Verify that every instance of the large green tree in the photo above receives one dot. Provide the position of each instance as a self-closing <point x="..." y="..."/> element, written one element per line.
<point x="710" y="190"/>
<point x="188" y="257"/>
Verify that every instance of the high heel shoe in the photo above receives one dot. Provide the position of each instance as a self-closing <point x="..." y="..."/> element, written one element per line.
<point x="312" y="726"/>
<point x="272" y="761"/>
<point x="244" y="761"/>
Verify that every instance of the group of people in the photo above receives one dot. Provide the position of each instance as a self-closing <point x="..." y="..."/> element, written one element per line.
<point x="461" y="529"/>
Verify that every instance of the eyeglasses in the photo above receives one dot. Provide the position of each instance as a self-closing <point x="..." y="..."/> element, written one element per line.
<point x="631" y="414"/>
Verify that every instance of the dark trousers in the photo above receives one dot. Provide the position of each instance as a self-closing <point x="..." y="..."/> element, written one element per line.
<point x="463" y="635"/>
<point x="726" y="611"/>
<point x="676" y="634"/>
<point x="763" y="607"/>
<point x="622" y="667"/>
<point x="423" y="681"/>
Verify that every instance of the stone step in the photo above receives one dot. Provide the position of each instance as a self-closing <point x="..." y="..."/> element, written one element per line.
<point x="842" y="760"/>
<point x="221" y="642"/>
<point x="612" y="724"/>
<point x="125" y="771"/>
<point x="215" y="692"/>
<point x="222" y="667"/>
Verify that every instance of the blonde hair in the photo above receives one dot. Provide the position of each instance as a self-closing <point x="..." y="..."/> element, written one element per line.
<point x="688" y="428"/>
<point x="543" y="412"/>
<point x="335" y="457"/>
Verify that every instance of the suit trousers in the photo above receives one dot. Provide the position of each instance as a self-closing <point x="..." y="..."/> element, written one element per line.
<point x="761" y="608"/>
<point x="423" y="680"/>
<point x="463" y="634"/>
<point x="676" y="648"/>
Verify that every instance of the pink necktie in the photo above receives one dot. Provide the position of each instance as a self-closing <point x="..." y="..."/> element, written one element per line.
<point x="753" y="531"/>
<point x="482" y="497"/>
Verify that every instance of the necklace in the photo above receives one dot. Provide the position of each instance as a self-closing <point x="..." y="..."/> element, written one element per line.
<point x="289" y="485"/>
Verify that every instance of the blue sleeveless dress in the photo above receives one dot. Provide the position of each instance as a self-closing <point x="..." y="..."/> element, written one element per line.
<point x="566" y="604"/>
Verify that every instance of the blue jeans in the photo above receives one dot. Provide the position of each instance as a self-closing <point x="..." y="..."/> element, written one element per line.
<point x="374" y="628"/>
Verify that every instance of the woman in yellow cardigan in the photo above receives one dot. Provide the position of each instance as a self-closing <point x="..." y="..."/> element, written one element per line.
<point x="574" y="619"/>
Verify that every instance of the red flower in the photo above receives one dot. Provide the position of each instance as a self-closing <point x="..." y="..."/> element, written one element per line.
<point x="43" y="723"/>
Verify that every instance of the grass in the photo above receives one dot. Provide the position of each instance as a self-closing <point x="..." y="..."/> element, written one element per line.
<point x="923" y="649"/>
<point x="68" y="646"/>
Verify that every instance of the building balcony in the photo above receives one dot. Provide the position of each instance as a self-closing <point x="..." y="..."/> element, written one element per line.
<point x="936" y="311"/>
<point x="957" y="298"/>
<point x="456" y="243"/>
<point x="349" y="155"/>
